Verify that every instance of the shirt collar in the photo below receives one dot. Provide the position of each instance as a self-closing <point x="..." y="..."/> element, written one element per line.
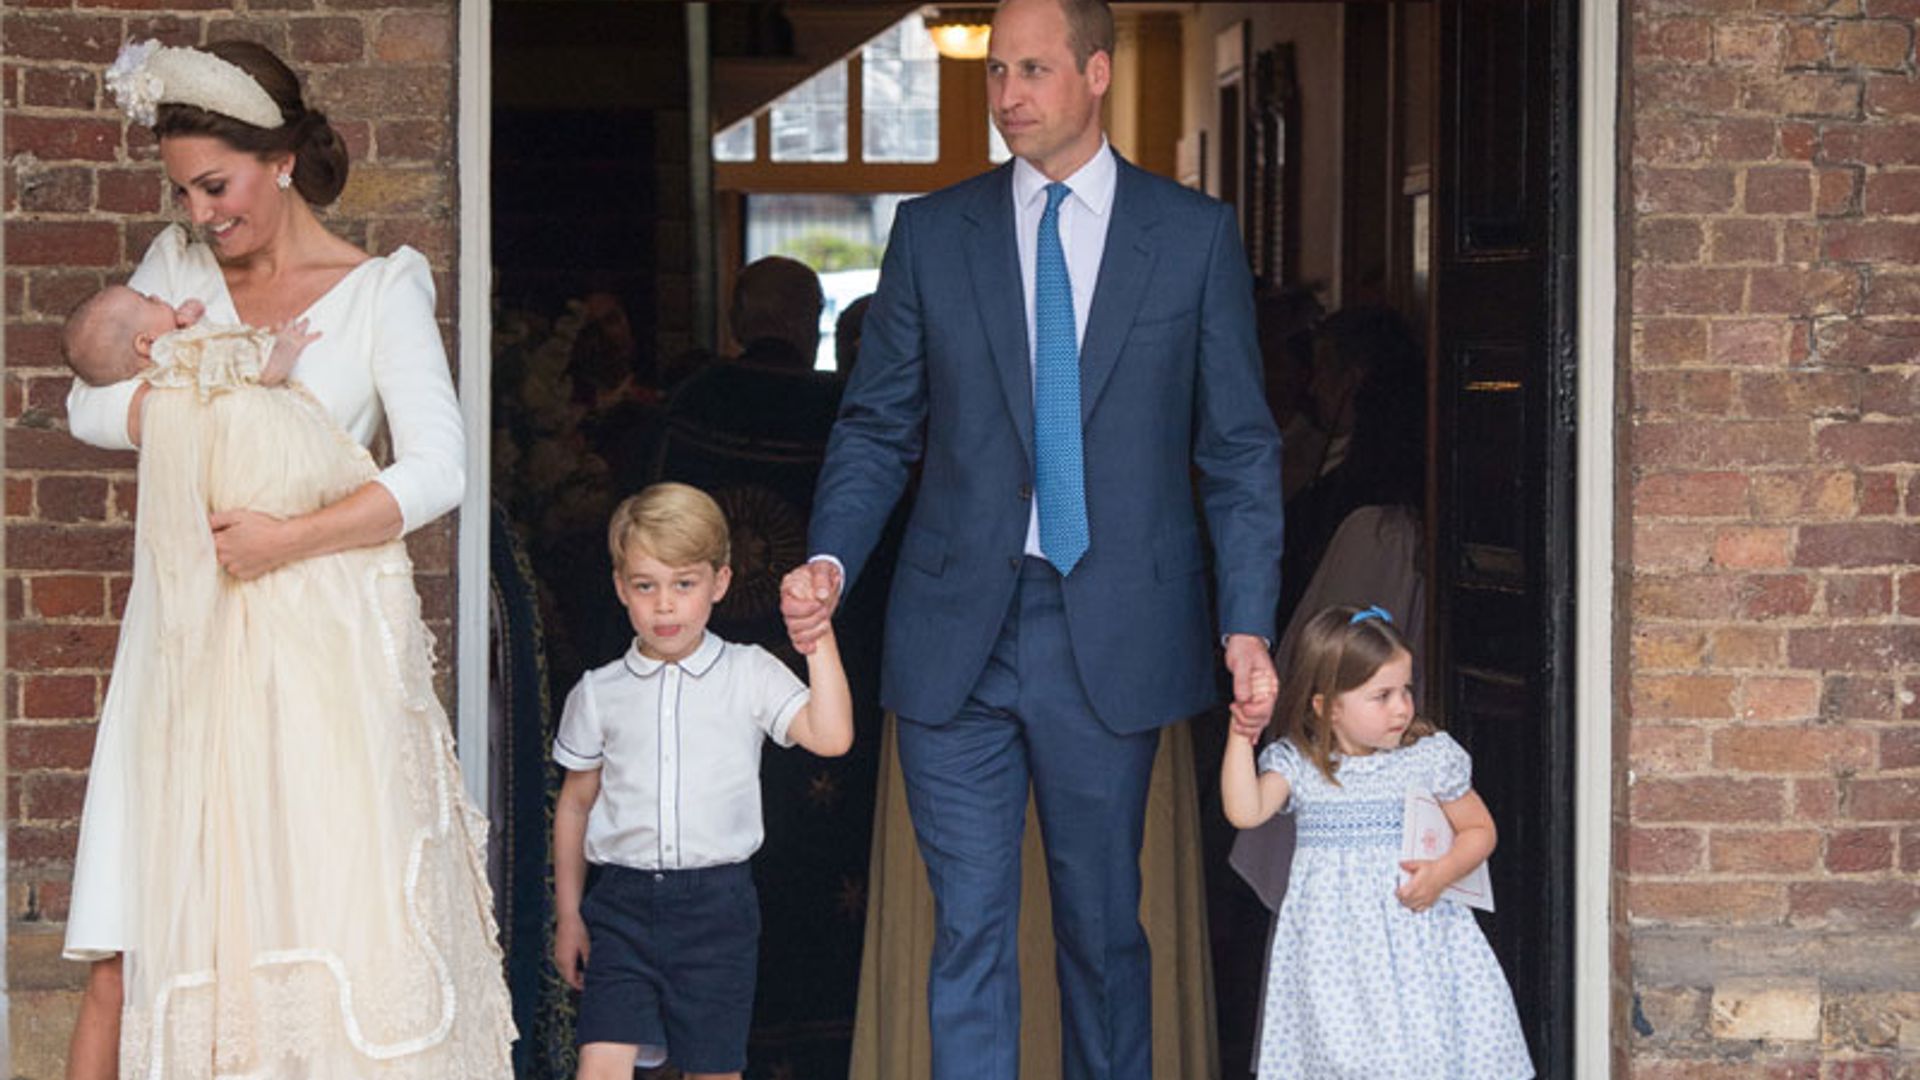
<point x="1092" y="185"/>
<point x="696" y="664"/>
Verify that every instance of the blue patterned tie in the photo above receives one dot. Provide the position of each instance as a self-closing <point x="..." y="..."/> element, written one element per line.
<point x="1059" y="471"/>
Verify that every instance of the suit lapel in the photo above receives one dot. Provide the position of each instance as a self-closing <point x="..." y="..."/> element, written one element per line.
<point x="994" y="264"/>
<point x="1125" y="266"/>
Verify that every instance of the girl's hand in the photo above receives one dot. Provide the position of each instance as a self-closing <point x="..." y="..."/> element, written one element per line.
<point x="1421" y="891"/>
<point x="570" y="949"/>
<point x="249" y="543"/>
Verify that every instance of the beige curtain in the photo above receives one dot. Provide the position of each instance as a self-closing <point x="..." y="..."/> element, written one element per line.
<point x="890" y="1034"/>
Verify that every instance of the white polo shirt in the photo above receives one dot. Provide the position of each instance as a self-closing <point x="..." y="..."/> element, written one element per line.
<point x="678" y="749"/>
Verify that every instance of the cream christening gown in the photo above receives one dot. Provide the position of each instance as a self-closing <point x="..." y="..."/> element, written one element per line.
<point x="312" y="898"/>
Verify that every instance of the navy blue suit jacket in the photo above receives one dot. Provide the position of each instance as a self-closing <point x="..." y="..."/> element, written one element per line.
<point x="1171" y="407"/>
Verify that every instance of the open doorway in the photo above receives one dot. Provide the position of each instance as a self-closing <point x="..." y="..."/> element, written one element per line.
<point x="1438" y="205"/>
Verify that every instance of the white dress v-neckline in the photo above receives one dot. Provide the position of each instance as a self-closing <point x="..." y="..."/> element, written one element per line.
<point x="230" y="311"/>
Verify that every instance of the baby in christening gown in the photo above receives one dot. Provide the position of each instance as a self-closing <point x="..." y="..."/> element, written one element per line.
<point x="312" y="897"/>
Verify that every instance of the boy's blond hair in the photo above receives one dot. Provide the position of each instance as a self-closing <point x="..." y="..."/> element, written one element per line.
<point x="675" y="523"/>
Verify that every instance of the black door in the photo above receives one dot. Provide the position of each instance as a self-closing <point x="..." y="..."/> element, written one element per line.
<point x="1503" y="478"/>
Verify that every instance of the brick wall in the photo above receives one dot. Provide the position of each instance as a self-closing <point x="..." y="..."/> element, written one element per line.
<point x="1772" y="828"/>
<point x="83" y="195"/>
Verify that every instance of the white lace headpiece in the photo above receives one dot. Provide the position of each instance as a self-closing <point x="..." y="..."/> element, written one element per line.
<point x="147" y="75"/>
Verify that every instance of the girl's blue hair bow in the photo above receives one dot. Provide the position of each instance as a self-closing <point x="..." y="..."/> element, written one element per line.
<point x="1374" y="612"/>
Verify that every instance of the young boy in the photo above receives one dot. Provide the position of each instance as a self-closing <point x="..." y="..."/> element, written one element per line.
<point x="662" y="749"/>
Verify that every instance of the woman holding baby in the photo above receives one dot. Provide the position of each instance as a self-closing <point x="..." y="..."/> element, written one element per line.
<point x="295" y="889"/>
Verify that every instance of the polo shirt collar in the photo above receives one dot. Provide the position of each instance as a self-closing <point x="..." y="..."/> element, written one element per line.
<point x="696" y="664"/>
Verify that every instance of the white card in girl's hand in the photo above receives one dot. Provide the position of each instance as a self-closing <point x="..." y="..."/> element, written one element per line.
<point x="1426" y="834"/>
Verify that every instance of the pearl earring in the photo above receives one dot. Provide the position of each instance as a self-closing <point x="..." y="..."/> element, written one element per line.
<point x="283" y="181"/>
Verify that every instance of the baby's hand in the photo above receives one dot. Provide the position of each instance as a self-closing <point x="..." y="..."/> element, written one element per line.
<point x="188" y="313"/>
<point x="289" y="341"/>
<point x="1423" y="890"/>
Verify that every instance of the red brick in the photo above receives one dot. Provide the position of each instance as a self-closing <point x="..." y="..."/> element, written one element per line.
<point x="1776" y="596"/>
<point x="1855" y="544"/>
<point x="1686" y="596"/>
<point x="1707" y="799"/>
<point x="1803" y="292"/>
<point x="1753" y="548"/>
<point x="1803" y="94"/>
<point x="1799" y="141"/>
<point x="1799" y="241"/>
<point x="326" y="41"/>
<point x="1764" y="851"/>
<point x="60" y="243"/>
<point x="1893" y="96"/>
<point x="1807" y="46"/>
<point x="1893" y="192"/>
<point x="1662" y="291"/>
<point x="1859" y="851"/>
<point x="49" y="746"/>
<point x="1870" y="905"/>
<point x="1714" y="903"/>
<point x="1746" y="647"/>
<point x="1654" y="749"/>
<point x="1661" y="697"/>
<point x="1711" y="446"/>
<point x="1690" y="494"/>
<point x="415" y="39"/>
<point x="1783" y="698"/>
<point x="1872" y="241"/>
<point x="63" y="138"/>
<point x="1884" y="800"/>
<point x="69" y="547"/>
<point x="1892" y="393"/>
<point x="1667" y="240"/>
<point x="411" y="140"/>
<point x="1884" y="442"/>
<point x="51" y="899"/>
<point x="19" y="496"/>
<point x="1650" y="1068"/>
<point x="1831" y="395"/>
<point x="119" y="586"/>
<point x="1672" y="140"/>
<point x="1910" y="850"/>
<point x="1868" y="44"/>
<point x="73" y="498"/>
<point x="54" y="451"/>
<point x="130" y="191"/>
<point x="1664" y="851"/>
<point x="1869" y="342"/>
<point x="1683" y="191"/>
<point x="60" y="647"/>
<point x="59" y="190"/>
<point x="58" y="697"/>
<point x="1657" y="647"/>
<point x="84" y="39"/>
<point x="1855" y="596"/>
<point x="1872" y="144"/>
<point x="1747" y="44"/>
<point x="1750" y="342"/>
<point x="41" y="844"/>
<point x="1783" y="751"/>
<point x="1851" y="647"/>
<point x="1667" y="342"/>
<point x="51" y="797"/>
<point x="55" y="292"/>
<point x="270" y="32"/>
<point x="168" y="29"/>
<point x="1910" y="594"/>
<point x="1815" y="800"/>
<point x="66" y="596"/>
<point x="384" y="91"/>
<point x="1838" y="192"/>
<point x="60" y="88"/>
<point x="1743" y="240"/>
<point x="1686" y="90"/>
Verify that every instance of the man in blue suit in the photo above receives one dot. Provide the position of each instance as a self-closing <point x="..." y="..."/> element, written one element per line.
<point x="1067" y="346"/>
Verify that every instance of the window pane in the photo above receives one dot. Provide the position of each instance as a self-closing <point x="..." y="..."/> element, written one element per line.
<point x="735" y="143"/>
<point x="900" y="95"/>
<point x="810" y="121"/>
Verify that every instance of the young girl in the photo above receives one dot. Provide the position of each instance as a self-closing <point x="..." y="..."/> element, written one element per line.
<point x="1368" y="977"/>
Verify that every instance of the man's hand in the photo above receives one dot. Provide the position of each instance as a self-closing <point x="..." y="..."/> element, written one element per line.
<point x="809" y="594"/>
<point x="1254" y="685"/>
<point x="570" y="949"/>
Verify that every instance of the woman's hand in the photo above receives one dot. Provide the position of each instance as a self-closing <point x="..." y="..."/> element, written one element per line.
<point x="249" y="543"/>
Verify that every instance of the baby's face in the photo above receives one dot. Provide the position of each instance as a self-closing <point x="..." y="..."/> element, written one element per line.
<point x="151" y="316"/>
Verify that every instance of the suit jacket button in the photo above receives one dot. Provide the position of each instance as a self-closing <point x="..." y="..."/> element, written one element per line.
<point x="1026" y="492"/>
<point x="1013" y="562"/>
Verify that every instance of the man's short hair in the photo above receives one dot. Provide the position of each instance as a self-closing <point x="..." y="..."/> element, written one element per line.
<point x="777" y="297"/>
<point x="675" y="523"/>
<point x="1089" y="29"/>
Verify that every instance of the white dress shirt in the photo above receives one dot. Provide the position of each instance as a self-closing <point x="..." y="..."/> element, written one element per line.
<point x="1084" y="217"/>
<point x="678" y="749"/>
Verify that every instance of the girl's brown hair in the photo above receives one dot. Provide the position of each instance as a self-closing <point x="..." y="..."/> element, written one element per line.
<point x="1333" y="654"/>
<point x="319" y="157"/>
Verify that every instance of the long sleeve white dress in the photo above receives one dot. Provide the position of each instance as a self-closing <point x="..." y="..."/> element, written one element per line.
<point x="275" y="835"/>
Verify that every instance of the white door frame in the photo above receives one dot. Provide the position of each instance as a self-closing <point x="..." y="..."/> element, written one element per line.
<point x="1595" y="477"/>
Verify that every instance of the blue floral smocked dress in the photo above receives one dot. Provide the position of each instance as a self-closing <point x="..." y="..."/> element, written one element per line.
<point x="1357" y="985"/>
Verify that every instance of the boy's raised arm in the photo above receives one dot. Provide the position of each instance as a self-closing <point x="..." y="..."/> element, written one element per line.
<point x="825" y="724"/>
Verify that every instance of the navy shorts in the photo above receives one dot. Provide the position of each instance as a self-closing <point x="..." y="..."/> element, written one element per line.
<point x="671" y="962"/>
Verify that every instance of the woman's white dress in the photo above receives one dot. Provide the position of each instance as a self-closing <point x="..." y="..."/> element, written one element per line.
<point x="1358" y="986"/>
<point x="276" y="835"/>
